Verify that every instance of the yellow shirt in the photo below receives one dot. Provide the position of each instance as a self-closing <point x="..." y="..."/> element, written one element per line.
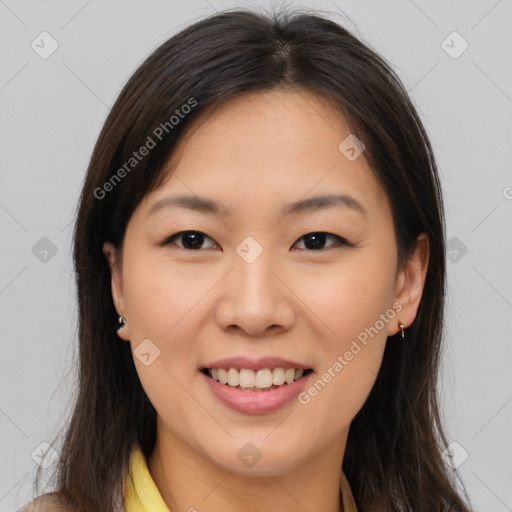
<point x="142" y="495"/>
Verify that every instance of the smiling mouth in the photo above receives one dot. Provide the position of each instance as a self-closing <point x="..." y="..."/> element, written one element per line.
<point x="265" y="379"/>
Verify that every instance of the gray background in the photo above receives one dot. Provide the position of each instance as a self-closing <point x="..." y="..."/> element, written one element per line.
<point x="51" y="113"/>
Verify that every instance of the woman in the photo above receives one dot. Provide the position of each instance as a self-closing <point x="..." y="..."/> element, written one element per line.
<point x="262" y="216"/>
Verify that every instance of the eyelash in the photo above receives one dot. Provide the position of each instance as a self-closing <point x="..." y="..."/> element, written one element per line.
<point x="170" y="239"/>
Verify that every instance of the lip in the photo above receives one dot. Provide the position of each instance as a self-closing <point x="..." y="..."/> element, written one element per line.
<point x="256" y="402"/>
<point x="255" y="364"/>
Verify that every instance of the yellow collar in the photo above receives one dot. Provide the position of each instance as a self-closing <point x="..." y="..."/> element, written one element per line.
<point x="140" y="491"/>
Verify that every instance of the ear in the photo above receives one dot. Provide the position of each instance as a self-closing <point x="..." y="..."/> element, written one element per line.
<point x="410" y="283"/>
<point x="114" y="260"/>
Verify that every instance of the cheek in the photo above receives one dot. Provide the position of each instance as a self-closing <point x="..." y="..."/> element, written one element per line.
<point x="162" y="304"/>
<point x="159" y="294"/>
<point x="350" y="296"/>
<point x="354" y="303"/>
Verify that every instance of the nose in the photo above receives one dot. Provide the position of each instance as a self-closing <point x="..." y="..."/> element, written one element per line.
<point x="255" y="299"/>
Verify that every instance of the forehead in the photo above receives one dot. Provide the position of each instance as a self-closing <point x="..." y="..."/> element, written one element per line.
<point x="277" y="124"/>
<point x="273" y="146"/>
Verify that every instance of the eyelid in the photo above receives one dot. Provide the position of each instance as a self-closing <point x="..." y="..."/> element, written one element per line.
<point x="339" y="240"/>
<point x="170" y="239"/>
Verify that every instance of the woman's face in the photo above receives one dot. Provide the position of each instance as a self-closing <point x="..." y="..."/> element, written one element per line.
<point x="314" y="288"/>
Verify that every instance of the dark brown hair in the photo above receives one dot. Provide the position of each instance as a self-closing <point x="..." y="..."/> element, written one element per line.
<point x="393" y="452"/>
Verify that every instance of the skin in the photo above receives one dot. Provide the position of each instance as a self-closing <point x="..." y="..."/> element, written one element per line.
<point x="294" y="302"/>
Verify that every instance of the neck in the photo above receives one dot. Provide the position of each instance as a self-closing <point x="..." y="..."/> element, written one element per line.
<point x="189" y="481"/>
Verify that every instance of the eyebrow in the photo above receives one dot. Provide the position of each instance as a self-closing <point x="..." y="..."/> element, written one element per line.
<point x="210" y="206"/>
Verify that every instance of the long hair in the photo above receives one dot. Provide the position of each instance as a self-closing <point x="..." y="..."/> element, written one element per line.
<point x="393" y="454"/>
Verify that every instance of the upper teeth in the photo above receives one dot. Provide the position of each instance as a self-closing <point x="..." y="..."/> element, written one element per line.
<point x="246" y="378"/>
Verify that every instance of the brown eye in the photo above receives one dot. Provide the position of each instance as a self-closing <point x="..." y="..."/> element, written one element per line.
<point x="190" y="240"/>
<point x="316" y="241"/>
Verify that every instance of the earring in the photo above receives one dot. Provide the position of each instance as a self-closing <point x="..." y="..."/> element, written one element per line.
<point x="401" y="337"/>
<point x="121" y="322"/>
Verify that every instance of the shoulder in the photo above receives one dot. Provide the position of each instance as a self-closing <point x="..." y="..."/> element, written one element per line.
<point x="50" y="502"/>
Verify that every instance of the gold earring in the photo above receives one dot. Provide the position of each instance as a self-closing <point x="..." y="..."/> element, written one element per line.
<point x="402" y="333"/>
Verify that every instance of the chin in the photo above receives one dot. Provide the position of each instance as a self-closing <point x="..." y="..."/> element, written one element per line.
<point x="255" y="458"/>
